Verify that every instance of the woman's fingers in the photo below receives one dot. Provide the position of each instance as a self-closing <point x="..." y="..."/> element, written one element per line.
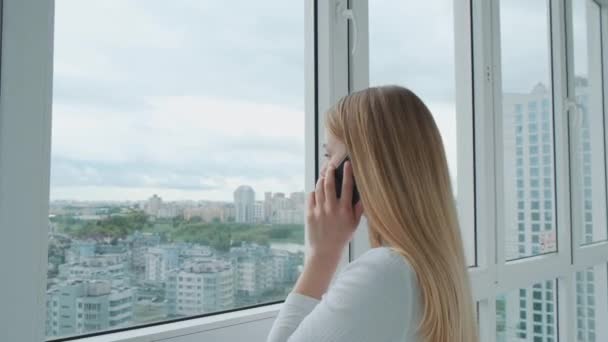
<point x="330" y="187"/>
<point x="320" y="191"/>
<point x="311" y="202"/>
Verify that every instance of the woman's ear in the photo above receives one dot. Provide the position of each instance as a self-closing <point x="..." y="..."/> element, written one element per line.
<point x="358" y="210"/>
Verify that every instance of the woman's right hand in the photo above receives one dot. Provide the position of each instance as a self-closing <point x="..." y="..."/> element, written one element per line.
<point x="331" y="221"/>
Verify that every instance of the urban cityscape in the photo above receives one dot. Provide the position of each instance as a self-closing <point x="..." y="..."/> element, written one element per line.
<point x="118" y="264"/>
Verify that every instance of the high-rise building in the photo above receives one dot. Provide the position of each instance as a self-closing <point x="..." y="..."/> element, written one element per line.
<point x="288" y="216"/>
<point x="169" y="210"/>
<point x="529" y="173"/>
<point x="298" y="199"/>
<point x="244" y="201"/>
<point x="279" y="201"/>
<point x="258" y="211"/>
<point x="154" y="205"/>
<point x="267" y="206"/>
<point x="529" y="184"/>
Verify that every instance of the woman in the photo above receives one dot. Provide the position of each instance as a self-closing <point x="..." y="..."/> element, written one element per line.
<point x="413" y="285"/>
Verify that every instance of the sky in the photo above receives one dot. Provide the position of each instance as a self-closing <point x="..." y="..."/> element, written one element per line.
<point x="189" y="99"/>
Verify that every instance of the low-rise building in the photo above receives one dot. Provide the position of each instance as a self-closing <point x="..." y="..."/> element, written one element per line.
<point x="207" y="213"/>
<point x="80" y="306"/>
<point x="110" y="268"/>
<point x="159" y="261"/>
<point x="286" y="266"/>
<point x="253" y="269"/>
<point x="200" y="287"/>
<point x="138" y="245"/>
<point x="288" y="216"/>
<point x="78" y="249"/>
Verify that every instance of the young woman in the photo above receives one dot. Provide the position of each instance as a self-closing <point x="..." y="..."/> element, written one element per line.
<point x="413" y="285"/>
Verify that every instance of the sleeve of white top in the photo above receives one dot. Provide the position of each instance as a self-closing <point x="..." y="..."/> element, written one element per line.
<point x="373" y="299"/>
<point x="295" y="308"/>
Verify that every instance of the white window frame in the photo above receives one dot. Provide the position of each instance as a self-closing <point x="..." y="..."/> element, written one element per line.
<point x="332" y="70"/>
<point x="583" y="256"/>
<point x="586" y="255"/>
<point x="332" y="73"/>
<point x="524" y="272"/>
<point x="25" y="99"/>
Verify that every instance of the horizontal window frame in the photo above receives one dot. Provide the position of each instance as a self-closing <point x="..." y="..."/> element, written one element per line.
<point x="238" y="319"/>
<point x="183" y="325"/>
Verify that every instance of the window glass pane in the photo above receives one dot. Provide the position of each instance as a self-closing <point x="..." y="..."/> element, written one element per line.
<point x="591" y="304"/>
<point x="424" y="62"/>
<point x="177" y="160"/>
<point x="528" y="314"/>
<point x="527" y="111"/>
<point x="588" y="147"/>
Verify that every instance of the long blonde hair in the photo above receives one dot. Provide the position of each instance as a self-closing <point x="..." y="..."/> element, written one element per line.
<point x="402" y="174"/>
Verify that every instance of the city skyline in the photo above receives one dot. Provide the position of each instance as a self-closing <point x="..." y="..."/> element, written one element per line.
<point x="112" y="267"/>
<point x="169" y="199"/>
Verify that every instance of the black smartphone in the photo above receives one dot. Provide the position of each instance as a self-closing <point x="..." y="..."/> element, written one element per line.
<point x="338" y="176"/>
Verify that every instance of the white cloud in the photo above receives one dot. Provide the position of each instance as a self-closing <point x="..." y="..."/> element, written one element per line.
<point x="171" y="129"/>
<point x="171" y="141"/>
<point x="90" y="35"/>
<point x="150" y="96"/>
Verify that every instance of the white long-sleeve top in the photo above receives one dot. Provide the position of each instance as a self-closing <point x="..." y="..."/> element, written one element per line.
<point x="375" y="298"/>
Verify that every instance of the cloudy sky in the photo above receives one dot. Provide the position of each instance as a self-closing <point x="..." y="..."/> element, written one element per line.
<point x="191" y="98"/>
<point x="187" y="99"/>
